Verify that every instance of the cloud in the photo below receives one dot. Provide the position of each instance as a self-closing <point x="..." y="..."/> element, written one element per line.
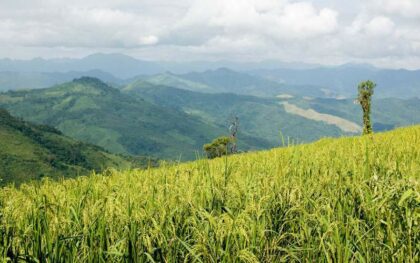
<point x="405" y="8"/>
<point x="380" y="26"/>
<point x="78" y="27"/>
<point x="271" y="20"/>
<point x="385" y="32"/>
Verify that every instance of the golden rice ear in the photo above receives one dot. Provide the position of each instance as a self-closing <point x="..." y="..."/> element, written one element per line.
<point x="344" y="200"/>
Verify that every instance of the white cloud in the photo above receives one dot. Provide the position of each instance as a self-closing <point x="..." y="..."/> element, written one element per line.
<point x="405" y="8"/>
<point x="380" y="26"/>
<point x="270" y="19"/>
<point x="148" y="40"/>
<point x="325" y="31"/>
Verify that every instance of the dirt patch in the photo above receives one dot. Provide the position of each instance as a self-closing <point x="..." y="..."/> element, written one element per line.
<point x="343" y="124"/>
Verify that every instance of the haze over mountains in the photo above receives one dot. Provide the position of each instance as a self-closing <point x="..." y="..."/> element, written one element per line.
<point x="311" y="80"/>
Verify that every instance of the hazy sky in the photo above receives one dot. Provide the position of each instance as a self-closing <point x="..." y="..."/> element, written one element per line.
<point x="381" y="32"/>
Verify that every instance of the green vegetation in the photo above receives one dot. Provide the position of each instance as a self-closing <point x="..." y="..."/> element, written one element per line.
<point x="218" y="147"/>
<point x="337" y="200"/>
<point x="386" y="113"/>
<point x="31" y="152"/>
<point x="264" y="118"/>
<point x="164" y="122"/>
<point x="91" y="111"/>
<point x="365" y="98"/>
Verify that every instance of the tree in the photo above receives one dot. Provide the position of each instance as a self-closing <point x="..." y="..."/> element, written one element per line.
<point x="233" y="129"/>
<point x="364" y="99"/>
<point x="218" y="147"/>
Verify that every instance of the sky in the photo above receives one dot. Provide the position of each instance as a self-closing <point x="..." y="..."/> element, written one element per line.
<point x="384" y="33"/>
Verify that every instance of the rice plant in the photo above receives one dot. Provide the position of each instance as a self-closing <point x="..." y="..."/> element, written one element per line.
<point x="336" y="200"/>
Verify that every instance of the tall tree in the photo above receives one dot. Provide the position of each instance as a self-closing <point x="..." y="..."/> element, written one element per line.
<point x="364" y="99"/>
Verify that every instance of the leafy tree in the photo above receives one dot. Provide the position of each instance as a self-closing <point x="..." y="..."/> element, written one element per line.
<point x="364" y="99"/>
<point x="218" y="147"/>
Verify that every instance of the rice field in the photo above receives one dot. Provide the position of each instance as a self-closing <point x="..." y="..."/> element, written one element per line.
<point x="336" y="200"/>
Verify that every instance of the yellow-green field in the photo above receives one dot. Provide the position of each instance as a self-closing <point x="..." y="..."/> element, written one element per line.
<point x="336" y="200"/>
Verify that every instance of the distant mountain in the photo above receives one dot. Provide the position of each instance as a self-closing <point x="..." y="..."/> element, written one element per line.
<point x="189" y="66"/>
<point x="224" y="80"/>
<point x="173" y="80"/>
<point x="31" y="152"/>
<point x="37" y="80"/>
<point x="91" y="111"/>
<point x="263" y="118"/>
<point x="121" y="66"/>
<point x="266" y="78"/>
<point x="344" y="80"/>
<point x="301" y="119"/>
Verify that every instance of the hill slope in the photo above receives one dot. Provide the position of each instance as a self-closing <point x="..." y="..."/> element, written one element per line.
<point x="262" y="118"/>
<point x="337" y="200"/>
<point x="302" y="119"/>
<point x="30" y="152"/>
<point x="91" y="111"/>
<point x="387" y="113"/>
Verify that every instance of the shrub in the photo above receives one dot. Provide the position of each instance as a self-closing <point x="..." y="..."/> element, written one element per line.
<point x="218" y="147"/>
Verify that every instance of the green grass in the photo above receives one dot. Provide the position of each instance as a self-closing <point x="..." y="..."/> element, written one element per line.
<point x="336" y="200"/>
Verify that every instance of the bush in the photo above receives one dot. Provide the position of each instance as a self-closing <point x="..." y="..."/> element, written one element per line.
<point x="218" y="147"/>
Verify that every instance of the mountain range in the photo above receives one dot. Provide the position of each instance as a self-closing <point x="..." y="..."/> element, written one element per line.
<point x="344" y="80"/>
<point x="99" y="114"/>
<point x="92" y="111"/>
<point x="147" y="119"/>
<point x="270" y="76"/>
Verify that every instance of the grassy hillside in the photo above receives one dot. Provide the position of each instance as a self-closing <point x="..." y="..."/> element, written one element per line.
<point x="31" y="152"/>
<point x="91" y="111"/>
<point x="336" y="200"/>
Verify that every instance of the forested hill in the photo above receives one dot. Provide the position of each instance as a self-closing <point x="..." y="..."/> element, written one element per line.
<point x="89" y="110"/>
<point x="31" y="152"/>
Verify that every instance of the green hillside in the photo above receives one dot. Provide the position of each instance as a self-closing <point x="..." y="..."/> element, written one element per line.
<point x="337" y="200"/>
<point x="91" y="111"/>
<point x="386" y="113"/>
<point x="267" y="117"/>
<point x="264" y="118"/>
<point x="31" y="152"/>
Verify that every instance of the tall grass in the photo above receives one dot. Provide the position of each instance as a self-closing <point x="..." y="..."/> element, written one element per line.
<point x="337" y="200"/>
